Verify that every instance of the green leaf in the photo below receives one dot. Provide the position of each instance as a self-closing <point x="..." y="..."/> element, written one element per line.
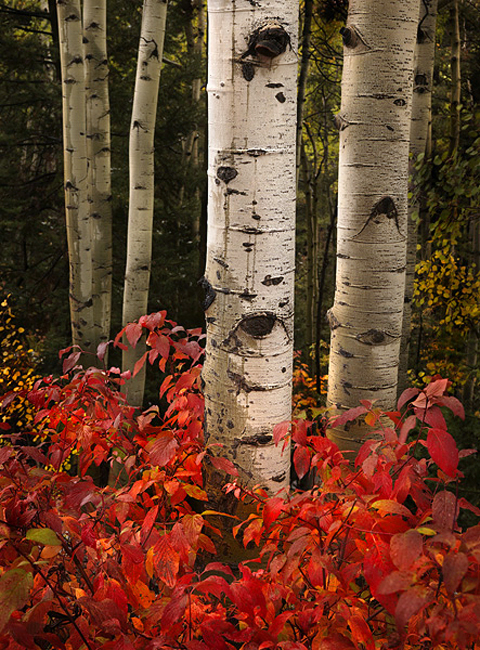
<point x="15" y="588"/>
<point x="44" y="536"/>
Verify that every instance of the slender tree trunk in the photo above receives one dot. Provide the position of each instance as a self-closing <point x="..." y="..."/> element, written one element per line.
<point x="249" y="277"/>
<point x="419" y="136"/>
<point x="141" y="161"/>
<point x="310" y="216"/>
<point x="456" y="93"/>
<point x="374" y="122"/>
<point x="303" y="75"/>
<point x="98" y="152"/>
<point x="75" y="174"/>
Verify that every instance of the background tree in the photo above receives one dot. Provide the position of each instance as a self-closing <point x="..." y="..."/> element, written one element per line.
<point x="374" y="125"/>
<point x="141" y="196"/>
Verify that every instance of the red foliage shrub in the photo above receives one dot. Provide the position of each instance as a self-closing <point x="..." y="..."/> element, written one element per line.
<point x="371" y="557"/>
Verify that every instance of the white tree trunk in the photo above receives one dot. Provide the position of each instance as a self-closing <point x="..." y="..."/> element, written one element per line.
<point x="249" y="277"/>
<point x="75" y="173"/>
<point x="140" y="214"/>
<point x="374" y="122"/>
<point x="98" y="151"/>
<point x="420" y="130"/>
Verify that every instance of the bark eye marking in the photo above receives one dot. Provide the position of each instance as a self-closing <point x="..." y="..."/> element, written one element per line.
<point x="226" y="174"/>
<point x="400" y="102"/>
<point x="281" y="98"/>
<point x="351" y="37"/>
<point x="258" y="325"/>
<point x="384" y="206"/>
<point x="265" y="43"/>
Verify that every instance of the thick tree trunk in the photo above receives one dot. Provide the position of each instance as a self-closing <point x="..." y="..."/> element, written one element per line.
<point x="75" y="174"/>
<point x="249" y="277"/>
<point x="374" y="122"/>
<point x="98" y="152"/>
<point x="140" y="214"/>
<point x="419" y="136"/>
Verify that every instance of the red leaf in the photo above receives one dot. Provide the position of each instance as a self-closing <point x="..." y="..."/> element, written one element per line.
<point x="407" y="426"/>
<point x="454" y="405"/>
<point x="443" y="450"/>
<point x="301" y="460"/>
<point x="348" y="416"/>
<point x="405" y="548"/>
<point x="455" y="566"/>
<point x="224" y="464"/>
<point x="133" y="332"/>
<point x="88" y="535"/>
<point x="395" y="582"/>
<point x="436" y="388"/>
<point x="102" y="349"/>
<point x="273" y="508"/>
<point x="434" y="418"/>
<point x="139" y="364"/>
<point x="162" y="449"/>
<point x="445" y="510"/>
<point x="167" y="561"/>
<point x="280" y="430"/>
<point x="409" y="604"/>
<point x="162" y="344"/>
<point x="71" y="361"/>
<point x="174" y="611"/>
<point x="5" y="453"/>
<point x="406" y="396"/>
<point x="15" y="588"/>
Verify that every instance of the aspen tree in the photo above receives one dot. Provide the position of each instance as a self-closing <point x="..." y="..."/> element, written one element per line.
<point x="98" y="152"/>
<point x="420" y="136"/>
<point x="141" y="162"/>
<point x="374" y="123"/>
<point x="249" y="278"/>
<point x="75" y="173"/>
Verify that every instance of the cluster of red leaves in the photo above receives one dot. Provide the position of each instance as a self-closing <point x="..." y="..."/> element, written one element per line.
<point x="371" y="557"/>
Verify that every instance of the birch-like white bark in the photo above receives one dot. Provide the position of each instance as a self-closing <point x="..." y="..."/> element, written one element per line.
<point x="98" y="151"/>
<point x="374" y="123"/>
<point x="249" y="277"/>
<point x="75" y="173"/>
<point x="141" y="161"/>
<point x="420" y="130"/>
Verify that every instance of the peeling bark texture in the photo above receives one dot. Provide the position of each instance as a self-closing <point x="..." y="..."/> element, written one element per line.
<point x="420" y="130"/>
<point x="98" y="153"/>
<point x="75" y="173"/>
<point x="366" y="318"/>
<point x="251" y="229"/>
<point x="141" y="162"/>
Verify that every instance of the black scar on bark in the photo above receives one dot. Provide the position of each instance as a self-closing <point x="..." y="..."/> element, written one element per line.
<point x="248" y="70"/>
<point x="371" y="337"/>
<point x="258" y="325"/>
<point x="210" y="293"/>
<point x="281" y="98"/>
<point x="332" y="320"/>
<point x="268" y="281"/>
<point x="226" y="174"/>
